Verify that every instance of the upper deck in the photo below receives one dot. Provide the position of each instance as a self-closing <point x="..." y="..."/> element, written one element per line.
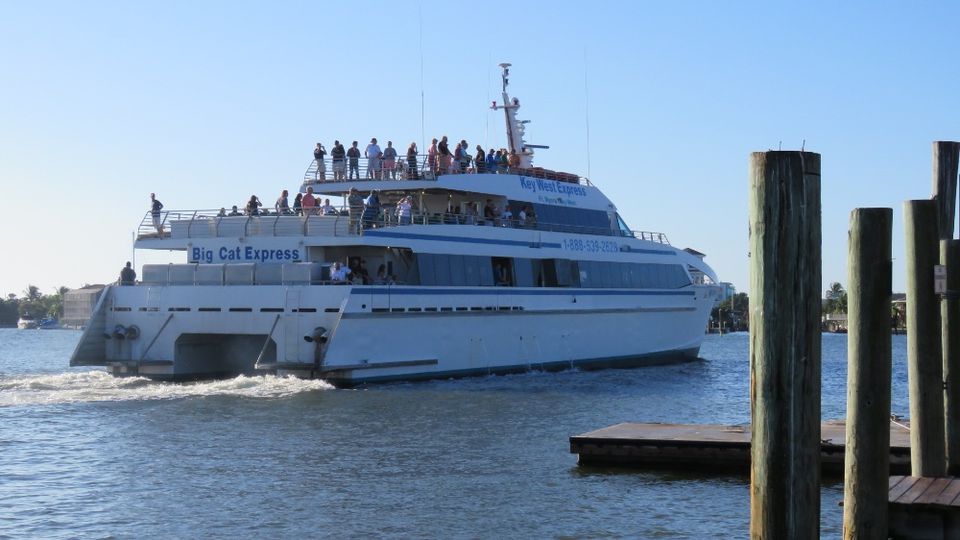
<point x="501" y="200"/>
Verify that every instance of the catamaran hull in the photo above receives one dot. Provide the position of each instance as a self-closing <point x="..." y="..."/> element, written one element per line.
<point x="352" y="335"/>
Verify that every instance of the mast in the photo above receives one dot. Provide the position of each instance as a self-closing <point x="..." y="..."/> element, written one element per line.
<point x="515" y="127"/>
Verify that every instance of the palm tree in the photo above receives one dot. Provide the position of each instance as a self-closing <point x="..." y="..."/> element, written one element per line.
<point x="836" y="299"/>
<point x="32" y="293"/>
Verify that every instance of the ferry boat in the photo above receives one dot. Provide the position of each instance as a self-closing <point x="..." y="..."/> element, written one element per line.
<point x="490" y="271"/>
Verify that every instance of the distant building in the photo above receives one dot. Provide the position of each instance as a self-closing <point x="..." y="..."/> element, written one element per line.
<point x="726" y="292"/>
<point x="78" y="305"/>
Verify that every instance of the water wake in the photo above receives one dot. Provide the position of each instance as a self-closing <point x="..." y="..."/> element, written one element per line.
<point x="90" y="386"/>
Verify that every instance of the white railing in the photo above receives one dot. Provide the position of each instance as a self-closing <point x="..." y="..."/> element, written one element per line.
<point x="222" y="224"/>
<point x="419" y="168"/>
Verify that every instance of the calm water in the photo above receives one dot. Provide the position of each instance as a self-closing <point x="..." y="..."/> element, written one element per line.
<point x="85" y="455"/>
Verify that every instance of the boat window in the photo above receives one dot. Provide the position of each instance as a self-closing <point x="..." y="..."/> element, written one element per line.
<point x="624" y="230"/>
<point x="600" y="274"/>
<point x="576" y="220"/>
<point x="524" y="273"/>
<point x="454" y="270"/>
<point x="502" y="271"/>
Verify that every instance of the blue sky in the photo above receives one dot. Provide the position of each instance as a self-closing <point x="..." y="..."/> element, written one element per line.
<point x="207" y="103"/>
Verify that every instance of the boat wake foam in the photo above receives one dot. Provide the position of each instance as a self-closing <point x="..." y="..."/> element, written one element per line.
<point x="93" y="386"/>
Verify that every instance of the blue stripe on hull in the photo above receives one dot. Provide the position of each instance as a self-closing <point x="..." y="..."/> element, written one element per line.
<point x="515" y="292"/>
<point x="620" y="362"/>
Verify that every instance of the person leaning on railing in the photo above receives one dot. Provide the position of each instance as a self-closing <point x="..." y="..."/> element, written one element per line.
<point x="128" y="276"/>
<point x="253" y="206"/>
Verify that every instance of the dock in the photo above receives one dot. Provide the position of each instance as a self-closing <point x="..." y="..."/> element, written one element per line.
<point x="711" y="447"/>
<point x="922" y="508"/>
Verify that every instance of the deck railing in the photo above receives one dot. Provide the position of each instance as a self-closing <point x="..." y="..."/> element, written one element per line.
<point x="218" y="224"/>
<point x="328" y="170"/>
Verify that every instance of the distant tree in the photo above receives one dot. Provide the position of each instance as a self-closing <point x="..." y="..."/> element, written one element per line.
<point x="734" y="312"/>
<point x="9" y="311"/>
<point x="32" y="293"/>
<point x="835" y="299"/>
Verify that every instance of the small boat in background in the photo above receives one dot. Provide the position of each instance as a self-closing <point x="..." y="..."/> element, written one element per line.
<point x="49" y="323"/>
<point x="27" y="323"/>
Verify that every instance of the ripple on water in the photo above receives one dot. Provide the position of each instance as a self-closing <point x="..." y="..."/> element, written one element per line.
<point x="91" y="386"/>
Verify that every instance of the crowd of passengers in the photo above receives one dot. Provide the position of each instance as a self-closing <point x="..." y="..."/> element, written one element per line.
<point x="368" y="212"/>
<point x="386" y="163"/>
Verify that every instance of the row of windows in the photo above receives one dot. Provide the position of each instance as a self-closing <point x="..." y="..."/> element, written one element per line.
<point x="565" y="219"/>
<point x="597" y="274"/>
<point x="468" y="270"/>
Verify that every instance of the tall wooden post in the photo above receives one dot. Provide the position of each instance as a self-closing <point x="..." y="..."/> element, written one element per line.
<point x="867" y="462"/>
<point x="946" y="157"/>
<point x="924" y="360"/>
<point x="950" y="341"/>
<point x="785" y="270"/>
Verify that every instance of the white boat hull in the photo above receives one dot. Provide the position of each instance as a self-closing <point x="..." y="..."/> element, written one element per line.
<point x="380" y="333"/>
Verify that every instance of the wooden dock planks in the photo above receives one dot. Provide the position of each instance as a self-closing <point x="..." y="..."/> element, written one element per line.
<point x="924" y="507"/>
<point x="709" y="446"/>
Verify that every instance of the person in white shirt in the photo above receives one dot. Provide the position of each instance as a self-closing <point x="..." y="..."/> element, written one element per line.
<point x="404" y="208"/>
<point x="522" y="218"/>
<point x="373" y="154"/>
<point x="507" y="217"/>
<point x="339" y="273"/>
<point x="327" y="209"/>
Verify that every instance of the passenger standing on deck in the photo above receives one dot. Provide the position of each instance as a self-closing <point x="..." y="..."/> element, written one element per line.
<point x="412" y="173"/>
<point x="513" y="161"/>
<point x="373" y="155"/>
<point x="298" y="204"/>
<point x="339" y="273"/>
<point x="128" y="276"/>
<point x="491" y="162"/>
<point x="309" y="203"/>
<point x="339" y="166"/>
<point x="507" y="217"/>
<point x="488" y="213"/>
<point x="464" y="157"/>
<point x="504" y="161"/>
<point x="390" y="161"/>
<point x="253" y="206"/>
<point x="404" y="210"/>
<point x="355" y="205"/>
<point x="318" y="154"/>
<point x="522" y="218"/>
<point x="480" y="162"/>
<point x="327" y="209"/>
<point x="443" y="156"/>
<point x="354" y="154"/>
<point x="432" y="157"/>
<point x="155" y="207"/>
<point x="371" y="210"/>
<point x="282" y="206"/>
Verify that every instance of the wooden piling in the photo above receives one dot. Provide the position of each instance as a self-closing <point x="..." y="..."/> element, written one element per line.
<point x="785" y="276"/>
<point x="924" y="360"/>
<point x="946" y="155"/>
<point x="946" y="158"/>
<point x="867" y="462"/>
<point x="950" y="341"/>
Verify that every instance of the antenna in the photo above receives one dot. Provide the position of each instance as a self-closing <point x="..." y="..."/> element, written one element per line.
<point x="586" y="99"/>
<point x="423" y="138"/>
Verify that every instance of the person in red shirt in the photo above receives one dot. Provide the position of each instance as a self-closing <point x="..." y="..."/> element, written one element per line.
<point x="309" y="203"/>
